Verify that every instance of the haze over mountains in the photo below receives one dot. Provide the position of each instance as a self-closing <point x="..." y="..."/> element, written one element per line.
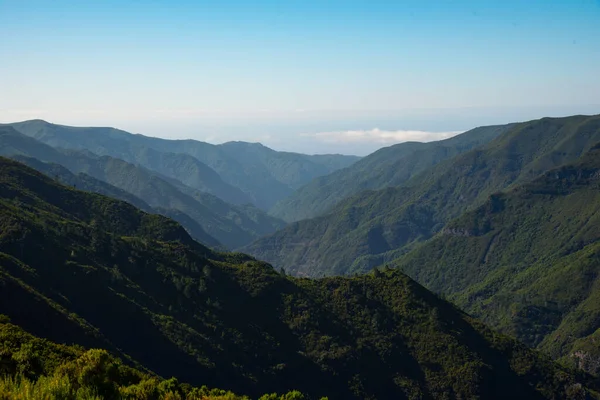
<point x="264" y="175"/>
<point x="165" y="176"/>
<point x="390" y="166"/>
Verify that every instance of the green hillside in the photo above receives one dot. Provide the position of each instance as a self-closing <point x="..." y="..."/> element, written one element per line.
<point x="81" y="181"/>
<point x="208" y="218"/>
<point x="34" y="368"/>
<point x="82" y="268"/>
<point x="111" y="142"/>
<point x="375" y="227"/>
<point x="527" y="261"/>
<point x="185" y="169"/>
<point x="87" y="183"/>
<point x="237" y="172"/>
<point x="390" y="166"/>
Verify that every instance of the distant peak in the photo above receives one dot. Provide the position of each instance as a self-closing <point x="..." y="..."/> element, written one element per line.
<point x="35" y="121"/>
<point x="241" y="142"/>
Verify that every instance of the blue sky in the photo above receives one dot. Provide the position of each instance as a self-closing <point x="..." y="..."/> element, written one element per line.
<point x="313" y="76"/>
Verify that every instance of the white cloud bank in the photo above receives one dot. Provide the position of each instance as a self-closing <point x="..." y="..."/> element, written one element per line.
<point x="379" y="136"/>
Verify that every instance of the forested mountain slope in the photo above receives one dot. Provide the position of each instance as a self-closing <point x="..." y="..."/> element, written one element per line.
<point x="35" y="368"/>
<point x="263" y="175"/>
<point x="113" y="142"/>
<point x="390" y="166"/>
<point x="87" y="183"/>
<point x="527" y="261"/>
<point x="83" y="268"/>
<point x="233" y="226"/>
<point x="374" y="227"/>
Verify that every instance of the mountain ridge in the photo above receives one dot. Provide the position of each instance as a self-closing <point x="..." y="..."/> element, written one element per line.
<point x="265" y="178"/>
<point x="229" y="321"/>
<point x="389" y="166"/>
<point x="230" y="225"/>
<point x="525" y="261"/>
<point x="358" y="233"/>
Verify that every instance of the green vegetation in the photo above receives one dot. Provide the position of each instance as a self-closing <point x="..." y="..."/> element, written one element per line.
<point x="374" y="227"/>
<point x="209" y="219"/>
<point x="526" y="262"/>
<point x="236" y="172"/>
<point x="81" y="181"/>
<point x="37" y="369"/>
<point x="389" y="166"/>
<point x="81" y="268"/>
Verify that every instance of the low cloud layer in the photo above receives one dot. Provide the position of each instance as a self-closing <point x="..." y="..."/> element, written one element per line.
<point x="379" y="136"/>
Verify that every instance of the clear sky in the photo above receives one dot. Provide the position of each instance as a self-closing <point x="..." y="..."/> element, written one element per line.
<point x="314" y="76"/>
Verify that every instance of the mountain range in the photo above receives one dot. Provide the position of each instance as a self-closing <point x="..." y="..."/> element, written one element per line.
<point x="526" y="261"/>
<point x="377" y="226"/>
<point x="210" y="219"/>
<point x="237" y="172"/>
<point x="463" y="268"/>
<point x="387" y="167"/>
<point x="82" y="268"/>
